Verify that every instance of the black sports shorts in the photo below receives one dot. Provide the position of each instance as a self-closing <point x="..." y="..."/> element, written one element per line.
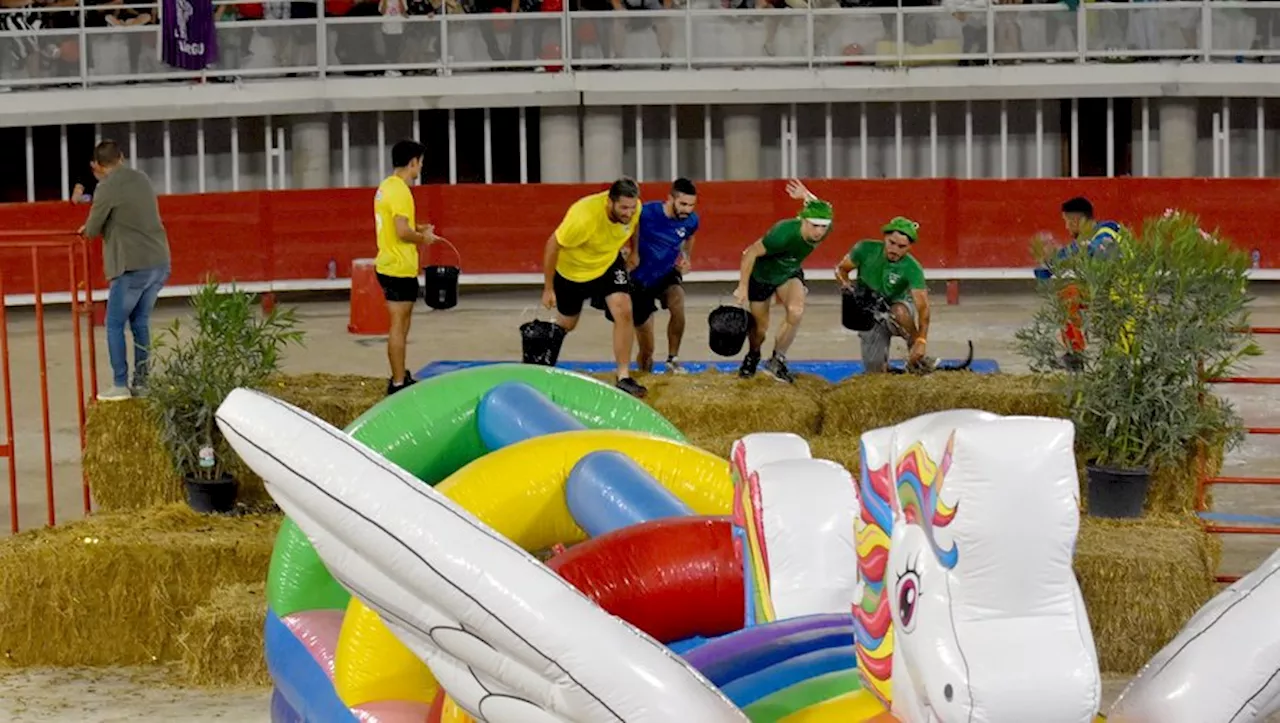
<point x="399" y="288"/>
<point x="571" y="295"/>
<point x="758" y="291"/>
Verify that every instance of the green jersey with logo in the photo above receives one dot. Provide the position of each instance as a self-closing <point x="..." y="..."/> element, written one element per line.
<point x="785" y="251"/>
<point x="893" y="280"/>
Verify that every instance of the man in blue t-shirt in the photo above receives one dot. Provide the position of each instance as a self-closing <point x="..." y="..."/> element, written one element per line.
<point x="664" y="244"/>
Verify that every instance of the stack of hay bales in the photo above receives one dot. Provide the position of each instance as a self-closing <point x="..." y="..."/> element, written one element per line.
<point x="145" y="579"/>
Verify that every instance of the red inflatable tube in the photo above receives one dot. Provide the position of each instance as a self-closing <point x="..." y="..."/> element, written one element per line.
<point x="672" y="578"/>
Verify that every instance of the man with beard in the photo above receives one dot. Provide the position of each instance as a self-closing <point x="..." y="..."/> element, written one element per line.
<point x="771" y="271"/>
<point x="582" y="262"/>
<point x="891" y="288"/>
<point x="665" y="245"/>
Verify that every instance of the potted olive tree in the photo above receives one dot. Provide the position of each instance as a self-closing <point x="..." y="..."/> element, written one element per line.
<point x="227" y="344"/>
<point x="1161" y="311"/>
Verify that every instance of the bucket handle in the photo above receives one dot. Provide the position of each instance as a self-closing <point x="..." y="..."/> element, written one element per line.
<point x="457" y="255"/>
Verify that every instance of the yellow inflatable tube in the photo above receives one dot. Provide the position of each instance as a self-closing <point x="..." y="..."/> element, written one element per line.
<point x="519" y="492"/>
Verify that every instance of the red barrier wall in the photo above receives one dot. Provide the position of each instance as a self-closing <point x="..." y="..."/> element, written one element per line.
<point x="259" y="236"/>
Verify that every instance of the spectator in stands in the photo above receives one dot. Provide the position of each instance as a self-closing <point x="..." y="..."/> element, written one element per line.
<point x="531" y="30"/>
<point x="135" y="257"/>
<point x="115" y="54"/>
<point x="20" y="53"/>
<point x="393" y="14"/>
<point x="661" y="26"/>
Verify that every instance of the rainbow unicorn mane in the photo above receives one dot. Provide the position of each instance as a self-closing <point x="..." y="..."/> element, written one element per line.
<point x="920" y="484"/>
<point x="872" y="621"/>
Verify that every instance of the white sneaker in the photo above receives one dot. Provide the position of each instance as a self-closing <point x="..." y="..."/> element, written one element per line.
<point x="114" y="394"/>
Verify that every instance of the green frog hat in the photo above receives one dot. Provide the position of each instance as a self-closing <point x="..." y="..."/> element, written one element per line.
<point x="816" y="212"/>
<point x="902" y="225"/>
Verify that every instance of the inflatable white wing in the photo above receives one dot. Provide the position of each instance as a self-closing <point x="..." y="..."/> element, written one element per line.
<point x="1223" y="667"/>
<point x="510" y="640"/>
<point x="989" y="624"/>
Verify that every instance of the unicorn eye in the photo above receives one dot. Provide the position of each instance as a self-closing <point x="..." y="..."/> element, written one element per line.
<point x="908" y="593"/>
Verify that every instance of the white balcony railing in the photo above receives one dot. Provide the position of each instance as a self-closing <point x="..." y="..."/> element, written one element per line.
<point x="77" y="46"/>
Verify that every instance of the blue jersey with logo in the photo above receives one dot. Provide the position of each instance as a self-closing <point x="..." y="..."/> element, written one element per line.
<point x="659" y="240"/>
<point x="1104" y="232"/>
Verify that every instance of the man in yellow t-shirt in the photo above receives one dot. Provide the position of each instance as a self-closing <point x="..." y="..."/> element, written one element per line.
<point x="583" y="262"/>
<point x="397" y="263"/>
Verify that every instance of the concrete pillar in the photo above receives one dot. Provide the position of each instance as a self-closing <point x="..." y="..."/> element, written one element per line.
<point x="561" y="145"/>
<point x="741" y="142"/>
<point x="1179" y="136"/>
<point x="601" y="144"/>
<point x="309" y="162"/>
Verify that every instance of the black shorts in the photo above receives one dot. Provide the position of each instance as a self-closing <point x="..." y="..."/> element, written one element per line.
<point x="571" y="295"/>
<point x="399" y="288"/>
<point x="758" y="291"/>
<point x="646" y="299"/>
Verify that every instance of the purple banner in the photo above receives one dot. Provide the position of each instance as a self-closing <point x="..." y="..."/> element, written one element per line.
<point x="190" y="38"/>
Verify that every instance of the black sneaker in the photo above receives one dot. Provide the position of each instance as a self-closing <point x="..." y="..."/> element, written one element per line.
<point x="749" y="364"/>
<point x="632" y="387"/>
<point x="392" y="387"/>
<point x="776" y="367"/>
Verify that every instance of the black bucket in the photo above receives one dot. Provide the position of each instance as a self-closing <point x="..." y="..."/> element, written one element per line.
<point x="440" y="285"/>
<point x="729" y="326"/>
<point x="858" y="307"/>
<point x="212" y="496"/>
<point x="540" y="342"/>
<point x="1117" y="493"/>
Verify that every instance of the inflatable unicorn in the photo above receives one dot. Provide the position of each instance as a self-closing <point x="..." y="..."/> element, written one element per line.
<point x="985" y="619"/>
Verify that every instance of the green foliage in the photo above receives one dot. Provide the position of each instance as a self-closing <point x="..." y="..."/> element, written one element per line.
<point x="1163" y="311"/>
<point x="229" y="344"/>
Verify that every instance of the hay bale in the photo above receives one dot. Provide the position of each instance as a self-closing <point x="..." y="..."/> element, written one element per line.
<point x="125" y="461"/>
<point x="1142" y="580"/>
<point x="222" y="640"/>
<point x="881" y="400"/>
<point x="127" y="465"/>
<point x="711" y="405"/>
<point x="113" y="589"/>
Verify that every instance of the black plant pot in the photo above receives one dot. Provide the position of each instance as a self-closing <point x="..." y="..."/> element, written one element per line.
<point x="1117" y="493"/>
<point x="212" y="496"/>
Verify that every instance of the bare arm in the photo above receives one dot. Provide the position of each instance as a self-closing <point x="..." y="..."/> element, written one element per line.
<point x="749" y="256"/>
<point x="407" y="233"/>
<point x="631" y="252"/>
<point x="685" y="261"/>
<point x="550" y="255"/>
<point x="843" y="269"/>
<point x="921" y="299"/>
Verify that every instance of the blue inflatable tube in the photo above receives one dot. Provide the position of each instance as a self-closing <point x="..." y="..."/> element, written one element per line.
<point x="299" y="679"/>
<point x="740" y="642"/>
<point x="747" y="690"/>
<point x="750" y="662"/>
<point x="281" y="711"/>
<point x="607" y="491"/>
<point x="514" y="411"/>
<point x="680" y="647"/>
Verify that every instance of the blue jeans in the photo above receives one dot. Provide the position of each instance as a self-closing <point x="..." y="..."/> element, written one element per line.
<point x="131" y="298"/>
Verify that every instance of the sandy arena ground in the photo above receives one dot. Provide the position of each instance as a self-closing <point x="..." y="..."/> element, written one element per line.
<point x="484" y="327"/>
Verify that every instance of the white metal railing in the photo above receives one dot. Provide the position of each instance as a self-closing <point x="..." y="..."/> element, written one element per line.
<point x="73" y="45"/>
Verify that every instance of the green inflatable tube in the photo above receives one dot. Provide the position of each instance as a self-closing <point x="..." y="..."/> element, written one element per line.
<point x="430" y="430"/>
<point x="776" y="706"/>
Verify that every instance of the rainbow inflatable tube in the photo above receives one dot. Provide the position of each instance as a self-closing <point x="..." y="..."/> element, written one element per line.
<point x="1222" y="665"/>
<point x="510" y="641"/>
<point x="370" y="667"/>
<point x="981" y="507"/>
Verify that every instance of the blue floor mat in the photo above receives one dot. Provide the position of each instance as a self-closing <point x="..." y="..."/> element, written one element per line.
<point x="832" y="371"/>
<point x="1244" y="519"/>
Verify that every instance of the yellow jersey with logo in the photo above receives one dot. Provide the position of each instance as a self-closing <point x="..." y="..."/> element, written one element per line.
<point x="589" y="241"/>
<point x="395" y="256"/>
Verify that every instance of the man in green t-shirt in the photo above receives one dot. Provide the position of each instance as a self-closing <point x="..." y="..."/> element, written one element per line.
<point x="891" y="285"/>
<point x="771" y="271"/>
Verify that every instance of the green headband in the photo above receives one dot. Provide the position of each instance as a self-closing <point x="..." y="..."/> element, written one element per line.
<point x="902" y="225"/>
<point x="817" y="212"/>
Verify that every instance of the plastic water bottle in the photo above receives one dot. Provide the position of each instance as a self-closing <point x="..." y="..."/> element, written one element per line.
<point x="333" y="269"/>
<point x="206" y="457"/>
<point x="1257" y="258"/>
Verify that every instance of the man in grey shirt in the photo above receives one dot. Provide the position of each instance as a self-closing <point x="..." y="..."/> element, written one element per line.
<point x="135" y="257"/>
